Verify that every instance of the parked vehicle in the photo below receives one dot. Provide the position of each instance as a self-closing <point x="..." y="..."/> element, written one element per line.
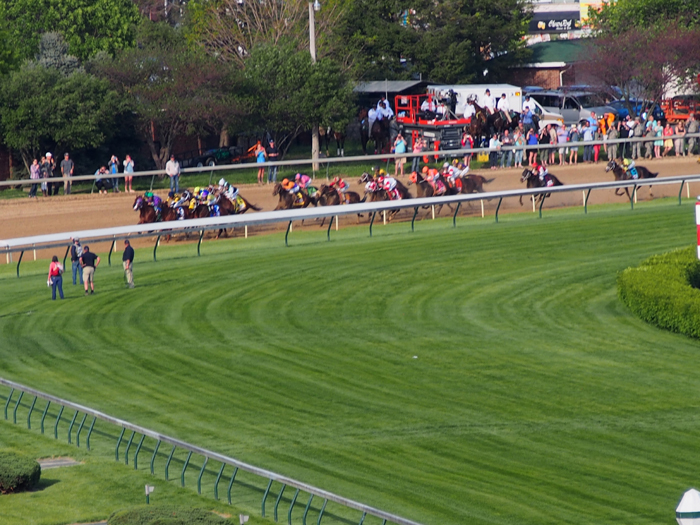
<point x="638" y="106"/>
<point x="212" y="157"/>
<point x="573" y="106"/>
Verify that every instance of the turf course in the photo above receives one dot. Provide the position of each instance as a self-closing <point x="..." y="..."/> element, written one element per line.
<point x="535" y="397"/>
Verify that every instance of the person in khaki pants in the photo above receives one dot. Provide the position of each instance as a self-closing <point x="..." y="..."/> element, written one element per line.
<point x="128" y="262"/>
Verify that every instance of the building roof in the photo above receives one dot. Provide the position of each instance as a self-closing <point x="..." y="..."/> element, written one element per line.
<point x="567" y="51"/>
<point x="386" y="86"/>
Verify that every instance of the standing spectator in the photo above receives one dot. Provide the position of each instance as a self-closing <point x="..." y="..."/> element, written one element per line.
<point x="519" y="142"/>
<point x="597" y="136"/>
<point x="668" y="143"/>
<point x="417" y="148"/>
<point x="128" y="174"/>
<point x="273" y="156"/>
<point x="544" y="140"/>
<point x="562" y="139"/>
<point x="55" y="278"/>
<point x="399" y="148"/>
<point x="34" y="174"/>
<point x="553" y="141"/>
<point x="588" y="135"/>
<point x="613" y="134"/>
<point x="574" y="136"/>
<point x="102" y="183"/>
<point x="128" y="262"/>
<point x="43" y="168"/>
<point x="114" y="170"/>
<point x="649" y="144"/>
<point x="531" y="152"/>
<point x="679" y="143"/>
<point x="76" y="251"/>
<point x="50" y="172"/>
<point x="693" y="126"/>
<point x="260" y="157"/>
<point x="637" y="133"/>
<point x="507" y="156"/>
<point x="658" y="133"/>
<point x="467" y="142"/>
<point x="494" y="147"/>
<point x="89" y="261"/>
<point x="172" y="168"/>
<point x="67" y="168"/>
<point x="527" y="118"/>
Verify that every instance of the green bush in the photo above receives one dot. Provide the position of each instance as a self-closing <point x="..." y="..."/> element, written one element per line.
<point x="165" y="515"/>
<point x="18" y="473"/>
<point x="663" y="290"/>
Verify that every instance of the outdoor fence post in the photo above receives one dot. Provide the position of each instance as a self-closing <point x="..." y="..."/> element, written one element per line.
<point x="155" y="248"/>
<point x="286" y="235"/>
<point x="498" y="207"/>
<point x="136" y="454"/>
<point x="153" y="457"/>
<point x="80" y="428"/>
<point x="58" y="420"/>
<point x="184" y="468"/>
<point x="119" y="442"/>
<point x="43" y="416"/>
<point x="29" y="416"/>
<point x="65" y="256"/>
<point x="330" y="224"/>
<point x="216" y="483"/>
<point x="167" y="463"/>
<point x="680" y="193"/>
<point x="320" y="514"/>
<point x="585" y="202"/>
<point x="634" y="193"/>
<point x="111" y="249"/>
<point x="267" y="491"/>
<point x="128" y="446"/>
<point x="230" y="485"/>
<point x="92" y="425"/>
<point x="201" y="473"/>
<point x="362" y="519"/>
<point x="306" y="510"/>
<point x="70" y="427"/>
<point x="544" y="196"/>
<point x="201" y="234"/>
<point x="14" y="412"/>
<point x="19" y="261"/>
<point x="413" y="220"/>
<point x="9" y="398"/>
<point x="454" y="217"/>
<point x="371" y="222"/>
<point x="279" y="498"/>
<point x="291" y="507"/>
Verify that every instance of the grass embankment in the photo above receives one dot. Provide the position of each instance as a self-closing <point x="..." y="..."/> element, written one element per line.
<point x="534" y="395"/>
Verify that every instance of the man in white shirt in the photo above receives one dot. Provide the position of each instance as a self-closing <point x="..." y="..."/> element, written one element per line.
<point x="427" y="105"/>
<point x="469" y="109"/>
<point x="388" y="112"/>
<point x="529" y="103"/>
<point x="371" y="117"/>
<point x="172" y="169"/>
<point x="504" y="107"/>
<point x="488" y="102"/>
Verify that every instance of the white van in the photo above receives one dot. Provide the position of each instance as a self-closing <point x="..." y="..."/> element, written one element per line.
<point x="514" y="95"/>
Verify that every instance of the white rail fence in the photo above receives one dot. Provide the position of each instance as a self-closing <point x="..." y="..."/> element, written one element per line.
<point x="366" y="159"/>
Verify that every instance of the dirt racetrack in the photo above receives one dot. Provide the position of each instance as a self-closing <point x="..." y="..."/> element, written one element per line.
<point x="25" y="217"/>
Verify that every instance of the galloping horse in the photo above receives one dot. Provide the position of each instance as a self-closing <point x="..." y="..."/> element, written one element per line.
<point x="534" y="181"/>
<point x="229" y="208"/>
<point x="287" y="201"/>
<point x="621" y="174"/>
<point x="425" y="189"/>
<point x="328" y="196"/>
<point x="147" y="213"/>
<point x="471" y="183"/>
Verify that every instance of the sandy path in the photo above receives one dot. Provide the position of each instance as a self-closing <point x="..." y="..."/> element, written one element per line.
<point x="25" y="217"/>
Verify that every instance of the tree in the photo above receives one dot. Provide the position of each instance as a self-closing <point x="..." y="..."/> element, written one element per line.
<point x="618" y="17"/>
<point x="171" y="90"/>
<point x="53" y="54"/>
<point x="644" y="62"/>
<point x="450" y="41"/>
<point x="230" y="29"/>
<point x="286" y="93"/>
<point x="88" y="26"/>
<point x="41" y="108"/>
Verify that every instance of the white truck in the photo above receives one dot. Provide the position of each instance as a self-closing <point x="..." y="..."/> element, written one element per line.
<point x="514" y="95"/>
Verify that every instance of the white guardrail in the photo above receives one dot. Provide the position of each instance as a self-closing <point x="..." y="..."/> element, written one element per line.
<point x="55" y="240"/>
<point x="367" y="159"/>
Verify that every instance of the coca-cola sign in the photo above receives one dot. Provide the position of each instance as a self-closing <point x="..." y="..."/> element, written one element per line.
<point x="562" y="22"/>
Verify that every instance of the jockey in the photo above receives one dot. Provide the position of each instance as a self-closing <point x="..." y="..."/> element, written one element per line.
<point x="293" y="188"/>
<point x="341" y="187"/>
<point x="488" y="102"/>
<point x="629" y="167"/>
<point x="541" y="171"/>
<point x="302" y="180"/>
<point x="469" y="109"/>
<point x="153" y="199"/>
<point x="389" y="186"/>
<point x="504" y="107"/>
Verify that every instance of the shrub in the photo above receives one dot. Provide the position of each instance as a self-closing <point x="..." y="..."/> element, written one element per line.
<point x="18" y="473"/>
<point x="663" y="290"/>
<point x="165" y="515"/>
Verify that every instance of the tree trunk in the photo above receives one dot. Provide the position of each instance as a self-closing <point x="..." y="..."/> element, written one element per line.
<point x="224" y="139"/>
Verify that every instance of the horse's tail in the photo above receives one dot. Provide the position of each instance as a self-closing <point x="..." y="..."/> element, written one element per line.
<point x="364" y="197"/>
<point x="487" y="181"/>
<point x="253" y="206"/>
<point x="652" y="175"/>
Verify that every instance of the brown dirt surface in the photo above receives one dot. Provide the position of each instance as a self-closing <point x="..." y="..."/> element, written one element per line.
<point x="26" y="217"/>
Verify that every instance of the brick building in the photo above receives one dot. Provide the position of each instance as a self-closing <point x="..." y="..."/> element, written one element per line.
<point x="552" y="65"/>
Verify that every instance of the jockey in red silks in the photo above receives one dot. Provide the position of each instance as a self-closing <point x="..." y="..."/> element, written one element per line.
<point x="341" y="187"/>
<point x="389" y="185"/>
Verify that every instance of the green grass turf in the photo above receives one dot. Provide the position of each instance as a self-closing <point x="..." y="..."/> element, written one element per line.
<point x="535" y="397"/>
<point x="87" y="492"/>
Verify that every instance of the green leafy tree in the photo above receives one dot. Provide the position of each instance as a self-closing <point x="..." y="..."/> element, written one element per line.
<point x="286" y="93"/>
<point x="88" y="26"/>
<point x="41" y="108"/>
<point x="170" y="89"/>
<point x="618" y="17"/>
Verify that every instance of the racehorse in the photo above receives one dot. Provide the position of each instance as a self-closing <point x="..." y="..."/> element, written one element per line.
<point x="364" y="129"/>
<point x="425" y="189"/>
<point x="380" y="135"/>
<point x="484" y="122"/>
<point x="621" y="174"/>
<point x="471" y="183"/>
<point x="147" y="213"/>
<point x="328" y="134"/>
<point x="328" y="196"/>
<point x="229" y="208"/>
<point x="534" y="181"/>
<point x="287" y="201"/>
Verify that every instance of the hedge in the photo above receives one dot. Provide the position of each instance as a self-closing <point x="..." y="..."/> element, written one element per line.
<point x="18" y="473"/>
<point x="165" y="515"/>
<point x="663" y="290"/>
